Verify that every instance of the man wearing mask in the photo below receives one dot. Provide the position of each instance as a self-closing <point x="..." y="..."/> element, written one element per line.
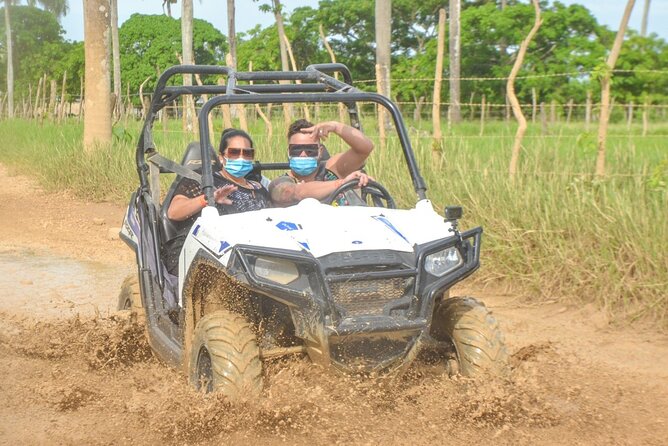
<point x="312" y="174"/>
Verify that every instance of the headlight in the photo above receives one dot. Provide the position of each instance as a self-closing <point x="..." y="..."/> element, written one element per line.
<point x="442" y="262"/>
<point x="275" y="270"/>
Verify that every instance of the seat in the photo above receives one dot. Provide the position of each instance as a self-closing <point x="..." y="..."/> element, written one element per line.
<point x="192" y="159"/>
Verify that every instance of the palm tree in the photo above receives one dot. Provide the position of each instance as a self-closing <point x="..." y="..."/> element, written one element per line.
<point x="57" y="7"/>
<point x="645" y="14"/>
<point x="168" y="4"/>
<point x="455" y="60"/>
<point x="97" y="115"/>
<point x="115" y="56"/>
<point x="383" y="40"/>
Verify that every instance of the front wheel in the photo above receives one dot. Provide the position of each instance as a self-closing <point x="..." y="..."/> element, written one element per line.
<point x="475" y="334"/>
<point x="225" y="356"/>
<point x="130" y="297"/>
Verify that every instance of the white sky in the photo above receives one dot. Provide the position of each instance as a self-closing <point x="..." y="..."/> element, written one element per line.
<point x="608" y="12"/>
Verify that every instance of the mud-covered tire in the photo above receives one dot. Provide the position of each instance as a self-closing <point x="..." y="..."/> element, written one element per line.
<point x="476" y="336"/>
<point x="130" y="297"/>
<point x="225" y="357"/>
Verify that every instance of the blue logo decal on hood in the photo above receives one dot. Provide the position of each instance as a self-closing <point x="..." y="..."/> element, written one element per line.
<point x="223" y="245"/>
<point x="286" y="226"/>
<point x="305" y="245"/>
<point x="387" y="223"/>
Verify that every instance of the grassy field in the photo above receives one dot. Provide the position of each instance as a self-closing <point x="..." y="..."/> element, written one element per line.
<point x="555" y="233"/>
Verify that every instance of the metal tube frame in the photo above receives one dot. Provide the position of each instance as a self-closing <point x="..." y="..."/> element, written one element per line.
<point x="322" y="88"/>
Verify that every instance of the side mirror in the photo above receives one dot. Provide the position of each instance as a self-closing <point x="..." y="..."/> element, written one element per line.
<point x="453" y="213"/>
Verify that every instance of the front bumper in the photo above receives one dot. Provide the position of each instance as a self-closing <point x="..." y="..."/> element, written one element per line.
<point x="360" y="311"/>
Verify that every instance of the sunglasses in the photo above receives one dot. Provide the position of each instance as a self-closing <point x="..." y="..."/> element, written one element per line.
<point x="233" y="152"/>
<point x="296" y="150"/>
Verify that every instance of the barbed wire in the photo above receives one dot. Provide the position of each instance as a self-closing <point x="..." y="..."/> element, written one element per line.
<point x="496" y="78"/>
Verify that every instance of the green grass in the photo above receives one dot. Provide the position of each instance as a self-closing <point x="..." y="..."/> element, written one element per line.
<point x="555" y="232"/>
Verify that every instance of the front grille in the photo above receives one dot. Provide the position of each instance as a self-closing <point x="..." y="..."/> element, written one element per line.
<point x="368" y="297"/>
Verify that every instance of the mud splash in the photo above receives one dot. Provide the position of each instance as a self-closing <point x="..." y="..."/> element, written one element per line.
<point x="104" y="365"/>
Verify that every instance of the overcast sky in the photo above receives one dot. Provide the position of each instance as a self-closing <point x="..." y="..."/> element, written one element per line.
<point x="608" y="12"/>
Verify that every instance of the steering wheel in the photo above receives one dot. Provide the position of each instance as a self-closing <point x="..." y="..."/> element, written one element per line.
<point x="373" y="194"/>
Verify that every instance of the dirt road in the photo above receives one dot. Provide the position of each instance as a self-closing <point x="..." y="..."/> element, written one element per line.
<point x="73" y="373"/>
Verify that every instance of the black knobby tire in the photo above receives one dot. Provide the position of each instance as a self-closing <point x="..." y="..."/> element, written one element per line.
<point x="130" y="297"/>
<point x="225" y="356"/>
<point x="476" y="336"/>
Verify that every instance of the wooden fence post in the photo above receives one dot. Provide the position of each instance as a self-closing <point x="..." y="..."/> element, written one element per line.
<point x="61" y="110"/>
<point x="534" y="103"/>
<point x="482" y="116"/>
<point x="570" y="111"/>
<point x="629" y="116"/>
<point x="588" y="111"/>
<point x="35" y="113"/>
<point x="52" y="100"/>
<point x="543" y="118"/>
<point x="645" y="117"/>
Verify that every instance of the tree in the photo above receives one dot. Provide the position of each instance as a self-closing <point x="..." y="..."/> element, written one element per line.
<point x="606" y="74"/>
<point x="455" y="60"/>
<point x="645" y="15"/>
<point x="188" y="58"/>
<point x="231" y="32"/>
<point x="57" y="7"/>
<point x="116" y="55"/>
<point x="97" y="115"/>
<point x="10" y="63"/>
<point x="167" y="7"/>
<point x="37" y="35"/>
<point x="149" y="45"/>
<point x="383" y="24"/>
<point x="510" y="88"/>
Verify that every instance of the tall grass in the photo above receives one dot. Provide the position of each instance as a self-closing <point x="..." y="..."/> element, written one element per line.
<point x="555" y="232"/>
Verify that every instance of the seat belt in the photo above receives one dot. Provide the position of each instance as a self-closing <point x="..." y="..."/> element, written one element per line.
<point x="171" y="166"/>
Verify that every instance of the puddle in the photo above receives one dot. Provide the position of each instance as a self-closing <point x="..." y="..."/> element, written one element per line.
<point x="42" y="285"/>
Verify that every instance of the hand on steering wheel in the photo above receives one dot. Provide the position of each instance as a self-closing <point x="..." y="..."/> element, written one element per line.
<point x="370" y="189"/>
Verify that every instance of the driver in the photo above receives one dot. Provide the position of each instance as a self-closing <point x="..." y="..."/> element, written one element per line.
<point x="313" y="174"/>
<point x="233" y="192"/>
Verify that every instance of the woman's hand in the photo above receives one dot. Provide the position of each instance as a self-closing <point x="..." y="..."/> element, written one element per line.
<point x="221" y="194"/>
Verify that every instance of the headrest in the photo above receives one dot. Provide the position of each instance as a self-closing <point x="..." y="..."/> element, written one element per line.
<point x="192" y="159"/>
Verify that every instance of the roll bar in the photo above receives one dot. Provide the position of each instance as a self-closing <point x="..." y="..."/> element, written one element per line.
<point x="317" y="85"/>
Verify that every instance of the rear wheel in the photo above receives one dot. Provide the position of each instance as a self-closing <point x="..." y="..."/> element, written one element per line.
<point x="225" y="356"/>
<point x="476" y="336"/>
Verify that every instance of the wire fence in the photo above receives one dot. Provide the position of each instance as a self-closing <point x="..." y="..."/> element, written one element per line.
<point x="57" y="105"/>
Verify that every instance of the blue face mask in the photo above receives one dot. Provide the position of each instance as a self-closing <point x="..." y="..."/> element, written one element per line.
<point x="238" y="167"/>
<point x="303" y="165"/>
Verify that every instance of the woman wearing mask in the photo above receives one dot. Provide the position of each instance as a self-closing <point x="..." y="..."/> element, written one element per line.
<point x="233" y="192"/>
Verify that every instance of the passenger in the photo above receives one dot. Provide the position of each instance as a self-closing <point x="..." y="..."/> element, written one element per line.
<point x="313" y="176"/>
<point x="233" y="193"/>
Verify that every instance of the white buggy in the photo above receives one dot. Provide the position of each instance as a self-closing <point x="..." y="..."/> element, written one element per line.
<point x="362" y="288"/>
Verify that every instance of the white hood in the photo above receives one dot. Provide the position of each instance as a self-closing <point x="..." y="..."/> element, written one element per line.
<point x="322" y="229"/>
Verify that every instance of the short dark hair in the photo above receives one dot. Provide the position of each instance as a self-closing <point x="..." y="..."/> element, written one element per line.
<point x="231" y="133"/>
<point x="297" y="126"/>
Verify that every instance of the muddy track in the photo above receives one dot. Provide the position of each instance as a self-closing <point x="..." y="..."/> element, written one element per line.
<point x="74" y="372"/>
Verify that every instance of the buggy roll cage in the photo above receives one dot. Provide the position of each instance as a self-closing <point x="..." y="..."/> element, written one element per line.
<point x="320" y="88"/>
